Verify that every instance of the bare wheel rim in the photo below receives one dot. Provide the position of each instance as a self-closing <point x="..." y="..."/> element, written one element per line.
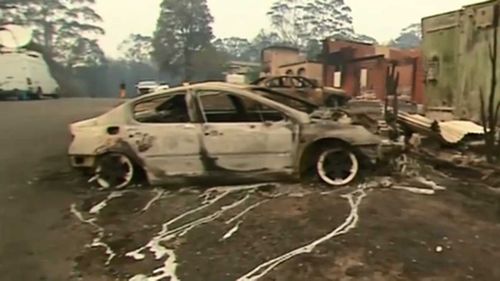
<point x="114" y="170"/>
<point x="337" y="167"/>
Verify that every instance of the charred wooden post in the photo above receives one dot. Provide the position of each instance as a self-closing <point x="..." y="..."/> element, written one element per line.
<point x="490" y="111"/>
<point x="392" y="83"/>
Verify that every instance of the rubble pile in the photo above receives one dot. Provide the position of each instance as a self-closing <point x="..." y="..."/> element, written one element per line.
<point x="456" y="145"/>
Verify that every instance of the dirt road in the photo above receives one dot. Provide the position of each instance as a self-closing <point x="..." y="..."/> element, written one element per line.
<point x="34" y="189"/>
<point x="53" y="227"/>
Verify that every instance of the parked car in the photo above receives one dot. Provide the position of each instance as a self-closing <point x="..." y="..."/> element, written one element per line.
<point x="25" y="75"/>
<point x="218" y="130"/>
<point x="161" y="87"/>
<point x="146" y="87"/>
<point x="305" y="88"/>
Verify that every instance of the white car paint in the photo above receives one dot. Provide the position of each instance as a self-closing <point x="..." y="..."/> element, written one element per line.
<point x="203" y="147"/>
<point x="146" y="87"/>
<point x="25" y="72"/>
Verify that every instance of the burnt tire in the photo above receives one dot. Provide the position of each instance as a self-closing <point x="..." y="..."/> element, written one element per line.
<point x="337" y="166"/>
<point x="114" y="170"/>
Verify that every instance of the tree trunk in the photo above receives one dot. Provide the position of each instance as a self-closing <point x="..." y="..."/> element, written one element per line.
<point x="188" y="71"/>
<point x="47" y="34"/>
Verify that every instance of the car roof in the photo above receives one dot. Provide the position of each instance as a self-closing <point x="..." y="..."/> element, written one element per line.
<point x="242" y="88"/>
<point x="147" y="82"/>
<point x="227" y="86"/>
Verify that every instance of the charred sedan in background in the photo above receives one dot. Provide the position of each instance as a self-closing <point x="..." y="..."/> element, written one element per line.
<point x="305" y="88"/>
<point x="217" y="129"/>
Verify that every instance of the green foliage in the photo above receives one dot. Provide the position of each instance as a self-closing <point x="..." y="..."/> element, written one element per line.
<point x="290" y="20"/>
<point x="236" y="48"/>
<point x="313" y="49"/>
<point x="242" y="49"/>
<point x="182" y="30"/>
<point x="59" y="25"/>
<point x="298" y="22"/>
<point x="410" y="37"/>
<point x="137" y="48"/>
<point x="209" y="64"/>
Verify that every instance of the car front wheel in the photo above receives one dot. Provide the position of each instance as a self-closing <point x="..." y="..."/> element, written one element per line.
<point x="337" y="166"/>
<point x="114" y="170"/>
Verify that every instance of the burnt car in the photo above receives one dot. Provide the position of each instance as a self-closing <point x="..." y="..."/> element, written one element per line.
<point x="305" y="88"/>
<point x="218" y="130"/>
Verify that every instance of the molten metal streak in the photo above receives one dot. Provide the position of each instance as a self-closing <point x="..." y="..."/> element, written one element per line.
<point x="159" y="194"/>
<point x="97" y="242"/>
<point x="232" y="231"/>
<point x="415" y="190"/>
<point x="244" y="212"/>
<point x="97" y="208"/>
<point x="355" y="198"/>
<point x="168" y="270"/>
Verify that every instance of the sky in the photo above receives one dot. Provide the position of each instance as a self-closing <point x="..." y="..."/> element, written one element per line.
<point x="381" y="19"/>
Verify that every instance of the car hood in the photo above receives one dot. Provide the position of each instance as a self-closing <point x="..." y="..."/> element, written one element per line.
<point x="335" y="91"/>
<point x="324" y="123"/>
<point x="353" y="134"/>
<point x="329" y="113"/>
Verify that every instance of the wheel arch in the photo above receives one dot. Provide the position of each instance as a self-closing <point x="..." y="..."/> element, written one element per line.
<point x="140" y="169"/>
<point x="309" y="152"/>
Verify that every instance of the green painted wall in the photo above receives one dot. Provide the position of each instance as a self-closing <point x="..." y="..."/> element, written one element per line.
<point x="459" y="40"/>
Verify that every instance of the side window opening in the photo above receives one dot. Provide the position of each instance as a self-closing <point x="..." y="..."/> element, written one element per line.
<point x="298" y="83"/>
<point x="306" y="83"/>
<point x="167" y="109"/>
<point x="268" y="114"/>
<point x="223" y="107"/>
<point x="276" y="82"/>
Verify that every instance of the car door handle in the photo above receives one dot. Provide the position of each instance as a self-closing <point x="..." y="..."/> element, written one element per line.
<point x="213" y="133"/>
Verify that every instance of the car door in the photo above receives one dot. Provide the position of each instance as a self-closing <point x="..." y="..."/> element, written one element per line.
<point x="309" y="91"/>
<point x="238" y="138"/>
<point x="164" y="135"/>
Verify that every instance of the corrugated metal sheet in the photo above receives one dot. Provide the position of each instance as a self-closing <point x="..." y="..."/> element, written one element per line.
<point x="455" y="131"/>
<point x="449" y="132"/>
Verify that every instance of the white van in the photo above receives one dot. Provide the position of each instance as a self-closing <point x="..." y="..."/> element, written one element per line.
<point x="25" y="75"/>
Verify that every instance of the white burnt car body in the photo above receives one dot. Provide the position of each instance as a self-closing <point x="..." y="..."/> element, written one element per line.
<point x="217" y="130"/>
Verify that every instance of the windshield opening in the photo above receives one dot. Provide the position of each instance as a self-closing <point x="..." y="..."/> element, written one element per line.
<point x="293" y="102"/>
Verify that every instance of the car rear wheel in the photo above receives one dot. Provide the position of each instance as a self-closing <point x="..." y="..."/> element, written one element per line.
<point x="114" y="170"/>
<point x="337" y="166"/>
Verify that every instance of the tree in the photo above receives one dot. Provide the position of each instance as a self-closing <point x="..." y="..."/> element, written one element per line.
<point x="365" y="38"/>
<point x="5" y="9"/>
<point x="297" y="22"/>
<point x="182" y="30"/>
<point x="210" y="64"/>
<point x="261" y="41"/>
<point x="410" y="37"/>
<point x="56" y="23"/>
<point x="490" y="111"/>
<point x="288" y="19"/>
<point x="329" y="18"/>
<point x="313" y="49"/>
<point x="137" y="48"/>
<point x="236" y="48"/>
<point x="85" y="52"/>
